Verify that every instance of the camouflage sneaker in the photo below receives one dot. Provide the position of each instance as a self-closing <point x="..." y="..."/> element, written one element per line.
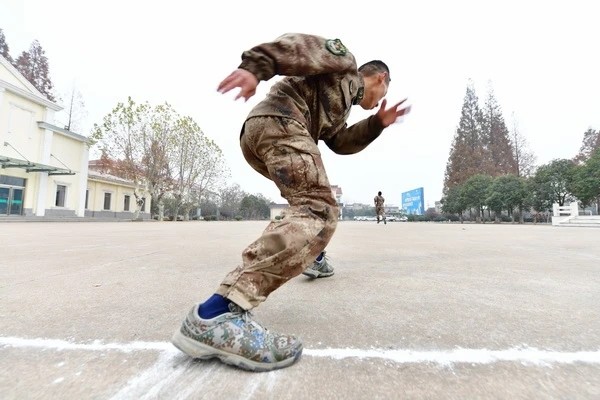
<point x="236" y="339"/>
<point x="320" y="269"/>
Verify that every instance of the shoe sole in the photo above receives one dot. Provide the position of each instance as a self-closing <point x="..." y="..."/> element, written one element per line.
<point x="201" y="351"/>
<point x="317" y="274"/>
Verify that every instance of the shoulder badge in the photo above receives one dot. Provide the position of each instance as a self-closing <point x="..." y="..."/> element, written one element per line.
<point x="335" y="46"/>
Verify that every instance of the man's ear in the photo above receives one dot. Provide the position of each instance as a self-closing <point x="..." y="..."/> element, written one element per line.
<point x="382" y="77"/>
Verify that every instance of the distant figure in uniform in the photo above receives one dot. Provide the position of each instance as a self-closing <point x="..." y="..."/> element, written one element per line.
<point x="279" y="140"/>
<point x="379" y="200"/>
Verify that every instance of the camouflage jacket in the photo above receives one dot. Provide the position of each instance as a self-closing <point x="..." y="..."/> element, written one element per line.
<point x="379" y="200"/>
<point x="321" y="83"/>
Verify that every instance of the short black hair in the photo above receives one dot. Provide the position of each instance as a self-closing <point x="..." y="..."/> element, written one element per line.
<point x="375" y="67"/>
<point x="379" y="194"/>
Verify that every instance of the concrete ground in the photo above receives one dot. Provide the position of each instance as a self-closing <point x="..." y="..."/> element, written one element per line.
<point x="415" y="310"/>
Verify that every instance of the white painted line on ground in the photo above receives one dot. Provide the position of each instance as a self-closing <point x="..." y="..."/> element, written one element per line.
<point x="526" y="355"/>
<point x="97" y="345"/>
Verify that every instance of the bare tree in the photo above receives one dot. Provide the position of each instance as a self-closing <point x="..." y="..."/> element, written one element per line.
<point x="231" y="198"/>
<point x="74" y="112"/>
<point x="158" y="145"/>
<point x="162" y="152"/>
<point x="196" y="163"/>
<point x="524" y="157"/>
<point x="120" y="137"/>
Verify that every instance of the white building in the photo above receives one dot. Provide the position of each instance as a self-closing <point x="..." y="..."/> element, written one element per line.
<point x="43" y="168"/>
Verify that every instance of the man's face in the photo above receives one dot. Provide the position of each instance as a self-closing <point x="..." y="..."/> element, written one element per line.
<point x="375" y="90"/>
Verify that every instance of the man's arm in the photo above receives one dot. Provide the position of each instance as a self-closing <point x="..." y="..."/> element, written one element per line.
<point x="297" y="54"/>
<point x="351" y="140"/>
<point x="360" y="135"/>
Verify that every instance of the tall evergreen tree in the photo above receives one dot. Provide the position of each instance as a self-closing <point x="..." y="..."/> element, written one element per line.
<point x="4" y="49"/>
<point x="499" y="156"/>
<point x="466" y="155"/>
<point x="33" y="65"/>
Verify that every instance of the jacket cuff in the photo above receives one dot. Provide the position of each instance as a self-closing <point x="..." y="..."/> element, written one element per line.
<point x="261" y="67"/>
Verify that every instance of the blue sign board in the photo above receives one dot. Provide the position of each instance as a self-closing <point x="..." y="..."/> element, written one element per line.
<point x="413" y="201"/>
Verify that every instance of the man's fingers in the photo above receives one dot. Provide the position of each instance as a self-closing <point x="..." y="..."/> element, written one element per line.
<point x="399" y="104"/>
<point x="403" y="111"/>
<point x="246" y="94"/>
<point x="383" y="104"/>
<point x="224" y="86"/>
<point x="232" y="81"/>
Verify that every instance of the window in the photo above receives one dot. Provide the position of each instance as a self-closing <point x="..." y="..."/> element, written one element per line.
<point x="87" y="196"/>
<point x="107" y="201"/>
<point x="126" y="205"/>
<point x="12" y="181"/>
<point x="143" y="204"/>
<point x="61" y="191"/>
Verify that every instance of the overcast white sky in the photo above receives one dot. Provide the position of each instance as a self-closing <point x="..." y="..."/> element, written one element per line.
<point x="541" y="58"/>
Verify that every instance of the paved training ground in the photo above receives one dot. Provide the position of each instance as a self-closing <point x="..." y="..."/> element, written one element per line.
<point x="415" y="310"/>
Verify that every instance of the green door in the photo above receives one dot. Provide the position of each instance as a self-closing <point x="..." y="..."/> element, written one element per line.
<point x="4" y="195"/>
<point x="16" y="202"/>
<point x="11" y="200"/>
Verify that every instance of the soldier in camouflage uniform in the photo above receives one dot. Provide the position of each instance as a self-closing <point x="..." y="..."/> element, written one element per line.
<point x="279" y="140"/>
<point x="379" y="200"/>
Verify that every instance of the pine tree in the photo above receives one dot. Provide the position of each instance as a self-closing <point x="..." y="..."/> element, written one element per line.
<point x="466" y="155"/>
<point x="4" y="50"/>
<point x="499" y="156"/>
<point x="33" y="65"/>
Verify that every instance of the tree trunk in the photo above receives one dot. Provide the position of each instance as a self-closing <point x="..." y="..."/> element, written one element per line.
<point x="521" y="219"/>
<point x="186" y="213"/>
<point x="138" y="206"/>
<point x="161" y="211"/>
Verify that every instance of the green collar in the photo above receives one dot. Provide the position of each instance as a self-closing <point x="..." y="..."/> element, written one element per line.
<point x="360" y="92"/>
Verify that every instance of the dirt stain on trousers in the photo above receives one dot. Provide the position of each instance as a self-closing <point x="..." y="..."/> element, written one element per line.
<point x="282" y="150"/>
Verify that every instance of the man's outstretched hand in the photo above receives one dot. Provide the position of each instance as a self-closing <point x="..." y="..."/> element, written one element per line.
<point x="390" y="115"/>
<point x="240" y="78"/>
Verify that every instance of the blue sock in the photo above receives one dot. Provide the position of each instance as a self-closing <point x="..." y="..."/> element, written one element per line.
<point x="320" y="257"/>
<point x="213" y="307"/>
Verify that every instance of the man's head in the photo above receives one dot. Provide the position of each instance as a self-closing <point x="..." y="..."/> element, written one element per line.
<point x="378" y="193"/>
<point x="376" y="76"/>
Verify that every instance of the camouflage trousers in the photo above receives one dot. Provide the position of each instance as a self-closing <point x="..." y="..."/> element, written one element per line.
<point x="379" y="211"/>
<point x="282" y="150"/>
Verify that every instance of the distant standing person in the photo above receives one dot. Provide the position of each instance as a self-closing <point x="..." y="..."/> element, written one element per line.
<point x="379" y="200"/>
